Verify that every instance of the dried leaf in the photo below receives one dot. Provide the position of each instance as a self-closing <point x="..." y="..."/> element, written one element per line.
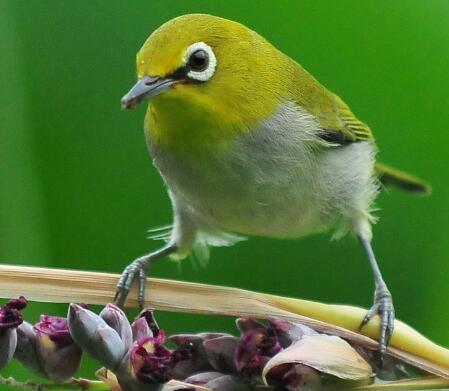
<point x="330" y="355"/>
<point x="109" y="378"/>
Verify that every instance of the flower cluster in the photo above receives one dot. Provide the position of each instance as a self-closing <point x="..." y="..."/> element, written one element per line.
<point x="272" y="355"/>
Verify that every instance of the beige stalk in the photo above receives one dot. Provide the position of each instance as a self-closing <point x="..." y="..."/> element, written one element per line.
<point x="64" y="286"/>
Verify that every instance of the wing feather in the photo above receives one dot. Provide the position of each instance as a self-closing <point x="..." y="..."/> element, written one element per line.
<point x="341" y="126"/>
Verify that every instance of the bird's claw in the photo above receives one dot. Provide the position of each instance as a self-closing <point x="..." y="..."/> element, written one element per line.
<point x="383" y="306"/>
<point x="137" y="269"/>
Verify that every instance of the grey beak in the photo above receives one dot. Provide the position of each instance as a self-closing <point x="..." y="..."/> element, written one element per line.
<point x="145" y="87"/>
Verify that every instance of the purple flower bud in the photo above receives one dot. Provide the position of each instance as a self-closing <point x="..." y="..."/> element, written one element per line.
<point x="295" y="377"/>
<point x="145" y="325"/>
<point x="220" y="353"/>
<point x="202" y="378"/>
<point x="255" y="349"/>
<point x="141" y="329"/>
<point x="148" y="315"/>
<point x="10" y="316"/>
<point x="150" y="360"/>
<point x="228" y="383"/>
<point x="26" y="351"/>
<point x="130" y="383"/>
<point x="95" y="337"/>
<point x="8" y="343"/>
<point x="247" y="323"/>
<point x="189" y="356"/>
<point x="117" y="319"/>
<point x="288" y="332"/>
<point x="301" y="376"/>
<point x="10" y="319"/>
<point x="182" y="339"/>
<point x="58" y="355"/>
<point x="56" y="328"/>
<point x="19" y="303"/>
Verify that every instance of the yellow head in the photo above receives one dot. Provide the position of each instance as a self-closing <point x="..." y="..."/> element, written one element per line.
<point x="207" y="78"/>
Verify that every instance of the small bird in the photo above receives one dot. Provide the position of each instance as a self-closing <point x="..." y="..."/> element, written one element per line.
<point x="249" y="143"/>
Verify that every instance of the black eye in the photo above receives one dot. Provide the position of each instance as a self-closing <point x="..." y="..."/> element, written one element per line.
<point x="199" y="60"/>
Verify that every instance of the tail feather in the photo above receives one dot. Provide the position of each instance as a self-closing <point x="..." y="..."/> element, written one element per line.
<point x="390" y="177"/>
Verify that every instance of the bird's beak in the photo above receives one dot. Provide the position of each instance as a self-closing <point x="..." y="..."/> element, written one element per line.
<point x="145" y="87"/>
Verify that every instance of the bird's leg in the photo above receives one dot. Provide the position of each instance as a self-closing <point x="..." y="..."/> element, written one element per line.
<point x="383" y="302"/>
<point x="139" y="269"/>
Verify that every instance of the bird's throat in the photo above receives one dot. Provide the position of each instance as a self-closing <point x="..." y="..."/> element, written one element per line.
<point x="186" y="128"/>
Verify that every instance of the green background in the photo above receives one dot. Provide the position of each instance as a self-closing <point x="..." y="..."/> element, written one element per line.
<point x="77" y="188"/>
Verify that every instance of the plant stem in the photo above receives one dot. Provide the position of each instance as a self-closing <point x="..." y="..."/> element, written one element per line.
<point x="429" y="383"/>
<point x="74" y="384"/>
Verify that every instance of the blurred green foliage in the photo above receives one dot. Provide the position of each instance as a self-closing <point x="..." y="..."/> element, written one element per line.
<point x="78" y="189"/>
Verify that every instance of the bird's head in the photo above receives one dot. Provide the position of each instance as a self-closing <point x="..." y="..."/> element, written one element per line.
<point x="204" y="73"/>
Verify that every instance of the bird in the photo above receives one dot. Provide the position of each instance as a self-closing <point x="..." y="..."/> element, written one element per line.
<point x="249" y="143"/>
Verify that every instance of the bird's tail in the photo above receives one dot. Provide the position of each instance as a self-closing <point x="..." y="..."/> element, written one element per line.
<point x="390" y="177"/>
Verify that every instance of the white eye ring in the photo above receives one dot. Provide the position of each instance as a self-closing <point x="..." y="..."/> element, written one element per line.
<point x="210" y="70"/>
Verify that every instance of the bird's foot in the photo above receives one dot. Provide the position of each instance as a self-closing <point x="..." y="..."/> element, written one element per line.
<point x="137" y="269"/>
<point x="383" y="306"/>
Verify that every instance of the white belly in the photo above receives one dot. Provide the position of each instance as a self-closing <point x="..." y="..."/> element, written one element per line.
<point x="277" y="181"/>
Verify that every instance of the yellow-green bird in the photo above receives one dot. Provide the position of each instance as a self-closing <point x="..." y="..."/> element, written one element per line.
<point x="249" y="143"/>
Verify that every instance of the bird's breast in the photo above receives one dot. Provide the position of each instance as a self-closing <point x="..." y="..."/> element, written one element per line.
<point x="263" y="183"/>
